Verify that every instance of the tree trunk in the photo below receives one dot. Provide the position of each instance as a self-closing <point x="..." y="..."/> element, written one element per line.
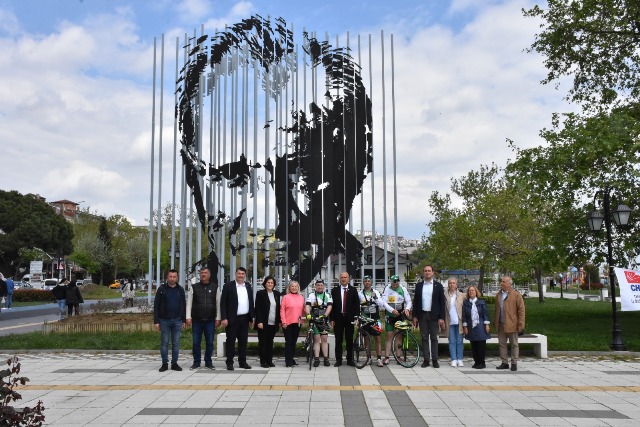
<point x="538" y="273"/>
<point x="481" y="280"/>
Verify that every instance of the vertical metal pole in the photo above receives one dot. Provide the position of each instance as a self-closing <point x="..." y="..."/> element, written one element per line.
<point x="384" y="166"/>
<point x="175" y="155"/>
<point x="616" y="336"/>
<point x="160" y="132"/>
<point x="395" y="182"/>
<point x="153" y="130"/>
<point x="362" y="258"/>
<point x="254" y="176"/>
<point x="183" y="203"/>
<point x="267" y="231"/>
<point x="374" y="260"/>
<point x="245" y="142"/>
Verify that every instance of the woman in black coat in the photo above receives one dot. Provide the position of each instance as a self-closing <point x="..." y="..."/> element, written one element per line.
<point x="267" y="320"/>
<point x="475" y="325"/>
<point x="74" y="298"/>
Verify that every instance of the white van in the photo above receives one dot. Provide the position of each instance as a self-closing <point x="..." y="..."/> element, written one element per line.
<point x="49" y="284"/>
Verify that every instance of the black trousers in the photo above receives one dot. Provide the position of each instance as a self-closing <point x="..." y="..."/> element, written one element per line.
<point x="71" y="308"/>
<point x="265" y="343"/>
<point x="291" y="333"/>
<point x="478" y="350"/>
<point x="239" y="330"/>
<point x="343" y="329"/>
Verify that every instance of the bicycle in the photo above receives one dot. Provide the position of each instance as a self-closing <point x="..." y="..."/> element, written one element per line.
<point x="320" y="323"/>
<point x="362" y="342"/>
<point x="405" y="347"/>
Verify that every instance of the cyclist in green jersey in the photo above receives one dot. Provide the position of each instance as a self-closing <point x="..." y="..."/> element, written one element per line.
<point x="319" y="303"/>
<point x="370" y="304"/>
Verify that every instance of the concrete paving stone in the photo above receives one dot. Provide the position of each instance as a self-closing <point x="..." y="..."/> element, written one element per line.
<point x="477" y="421"/>
<point x="290" y="419"/>
<point x="426" y="412"/>
<point x="183" y="419"/>
<point x="412" y="422"/>
<point x="317" y="411"/>
<point x="548" y="421"/>
<point x="357" y="421"/>
<point x="264" y="410"/>
<point x="147" y="419"/>
<point x="385" y="423"/>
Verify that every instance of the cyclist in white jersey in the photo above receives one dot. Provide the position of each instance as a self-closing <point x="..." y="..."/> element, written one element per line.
<point x="370" y="305"/>
<point x="319" y="303"/>
<point x="396" y="301"/>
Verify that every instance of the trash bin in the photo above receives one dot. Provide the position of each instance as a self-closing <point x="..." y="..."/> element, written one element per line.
<point x="604" y="293"/>
<point x="544" y="289"/>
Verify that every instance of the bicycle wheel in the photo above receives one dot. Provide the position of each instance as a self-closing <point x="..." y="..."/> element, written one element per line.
<point x="362" y="349"/>
<point x="310" y="350"/>
<point x="405" y="350"/>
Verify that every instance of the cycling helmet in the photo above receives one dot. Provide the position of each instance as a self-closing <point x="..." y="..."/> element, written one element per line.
<point x="395" y="279"/>
<point x="319" y="281"/>
<point x="402" y="325"/>
<point x="377" y="330"/>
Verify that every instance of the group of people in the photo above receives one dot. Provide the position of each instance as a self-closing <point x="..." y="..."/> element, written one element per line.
<point x="432" y="309"/>
<point x="68" y="297"/>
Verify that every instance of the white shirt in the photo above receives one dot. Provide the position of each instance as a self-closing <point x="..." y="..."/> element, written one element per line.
<point x="427" y="294"/>
<point x="243" y="299"/>
<point x="453" y="311"/>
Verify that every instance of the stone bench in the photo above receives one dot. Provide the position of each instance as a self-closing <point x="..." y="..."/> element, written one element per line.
<point x="539" y="343"/>
<point x="221" y="341"/>
<point x="591" y="297"/>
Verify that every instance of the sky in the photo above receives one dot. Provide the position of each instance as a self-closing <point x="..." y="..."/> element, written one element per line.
<point x="76" y="91"/>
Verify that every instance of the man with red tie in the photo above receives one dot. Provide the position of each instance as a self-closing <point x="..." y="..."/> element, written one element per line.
<point x="236" y="313"/>
<point x="346" y="307"/>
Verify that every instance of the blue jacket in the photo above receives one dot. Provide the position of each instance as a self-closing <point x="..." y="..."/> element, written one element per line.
<point x="479" y="333"/>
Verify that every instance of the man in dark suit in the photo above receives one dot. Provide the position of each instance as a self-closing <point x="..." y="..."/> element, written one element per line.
<point x="346" y="306"/>
<point x="429" y="313"/>
<point x="236" y="313"/>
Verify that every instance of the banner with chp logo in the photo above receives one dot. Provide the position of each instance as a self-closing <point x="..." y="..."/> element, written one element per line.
<point x="629" y="283"/>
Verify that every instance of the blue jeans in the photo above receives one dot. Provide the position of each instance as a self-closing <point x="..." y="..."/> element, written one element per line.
<point x="456" y="346"/>
<point x="170" y="328"/>
<point x="62" y="308"/>
<point x="9" y="300"/>
<point x="197" y="328"/>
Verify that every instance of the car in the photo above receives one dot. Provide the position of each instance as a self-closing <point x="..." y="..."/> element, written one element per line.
<point x="115" y="285"/>
<point x="49" y="284"/>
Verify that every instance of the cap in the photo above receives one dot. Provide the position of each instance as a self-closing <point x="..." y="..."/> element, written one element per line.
<point x="395" y="279"/>
<point x="367" y="278"/>
<point x="319" y="281"/>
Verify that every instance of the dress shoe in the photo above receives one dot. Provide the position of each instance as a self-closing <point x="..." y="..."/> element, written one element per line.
<point x="175" y="367"/>
<point x="475" y="366"/>
<point x="271" y="365"/>
<point x="244" y="365"/>
<point x="425" y="364"/>
<point x="164" y="367"/>
<point x="481" y="366"/>
<point x="264" y="365"/>
<point x="195" y="366"/>
<point x="351" y="363"/>
<point x="210" y="366"/>
<point x="338" y="363"/>
<point x="229" y="367"/>
<point x="436" y="364"/>
<point x="294" y="363"/>
<point x="503" y="366"/>
<point x="514" y="367"/>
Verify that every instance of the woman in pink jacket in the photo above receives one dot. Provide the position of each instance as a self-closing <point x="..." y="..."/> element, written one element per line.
<point x="291" y="308"/>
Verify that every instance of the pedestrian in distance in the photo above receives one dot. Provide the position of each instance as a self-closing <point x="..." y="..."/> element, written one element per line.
<point x="73" y="299"/>
<point x="237" y="313"/>
<point x="346" y="307"/>
<point x="59" y="292"/>
<point x="169" y="317"/>
<point x="319" y="304"/>
<point x="476" y="325"/>
<point x="10" y="287"/>
<point x="453" y="322"/>
<point x="429" y="311"/>
<point x="3" y="289"/>
<point x="201" y="316"/>
<point x="509" y="316"/>
<point x="267" y="321"/>
<point x="291" y="309"/>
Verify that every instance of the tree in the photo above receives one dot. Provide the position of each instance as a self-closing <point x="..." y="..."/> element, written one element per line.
<point x="595" y="41"/>
<point x="28" y="222"/>
<point x="92" y="253"/>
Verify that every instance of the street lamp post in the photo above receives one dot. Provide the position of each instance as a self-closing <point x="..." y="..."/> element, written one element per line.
<point x="595" y="219"/>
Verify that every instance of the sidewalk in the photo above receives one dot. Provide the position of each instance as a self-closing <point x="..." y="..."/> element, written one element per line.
<point x="127" y="389"/>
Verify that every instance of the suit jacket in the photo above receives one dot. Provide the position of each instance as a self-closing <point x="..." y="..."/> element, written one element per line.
<point x="229" y="302"/>
<point x="514" y="311"/>
<point x="353" y="303"/>
<point x="262" y="307"/>
<point x="438" y="304"/>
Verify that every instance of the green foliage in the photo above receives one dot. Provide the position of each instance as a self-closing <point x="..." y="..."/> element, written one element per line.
<point x="595" y="42"/>
<point x="9" y="416"/>
<point x="29" y="295"/>
<point x="28" y="222"/>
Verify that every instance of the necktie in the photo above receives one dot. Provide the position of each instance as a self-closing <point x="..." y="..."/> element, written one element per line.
<point x="344" y="301"/>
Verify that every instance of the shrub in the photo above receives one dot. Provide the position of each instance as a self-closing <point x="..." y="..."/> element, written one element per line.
<point x="596" y="286"/>
<point x="9" y="416"/>
<point x="29" y="295"/>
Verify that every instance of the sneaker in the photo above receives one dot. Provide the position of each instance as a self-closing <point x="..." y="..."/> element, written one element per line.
<point x="164" y="367"/>
<point x="316" y="362"/>
<point x="210" y="367"/>
<point x="326" y="362"/>
<point x="175" y="367"/>
<point x="460" y="363"/>
<point x="195" y="366"/>
<point x="503" y="366"/>
<point x="385" y="361"/>
<point x="514" y="367"/>
<point x="380" y="364"/>
<point x="454" y="363"/>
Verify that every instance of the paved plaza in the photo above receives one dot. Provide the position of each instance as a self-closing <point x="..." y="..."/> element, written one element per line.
<point x="127" y="389"/>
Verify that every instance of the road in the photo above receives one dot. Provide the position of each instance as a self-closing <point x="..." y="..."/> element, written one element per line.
<point x="19" y="320"/>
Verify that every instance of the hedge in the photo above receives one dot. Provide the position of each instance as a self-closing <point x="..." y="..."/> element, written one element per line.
<point x="29" y="295"/>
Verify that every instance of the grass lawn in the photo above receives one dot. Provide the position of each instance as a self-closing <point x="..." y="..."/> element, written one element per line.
<point x="570" y="325"/>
